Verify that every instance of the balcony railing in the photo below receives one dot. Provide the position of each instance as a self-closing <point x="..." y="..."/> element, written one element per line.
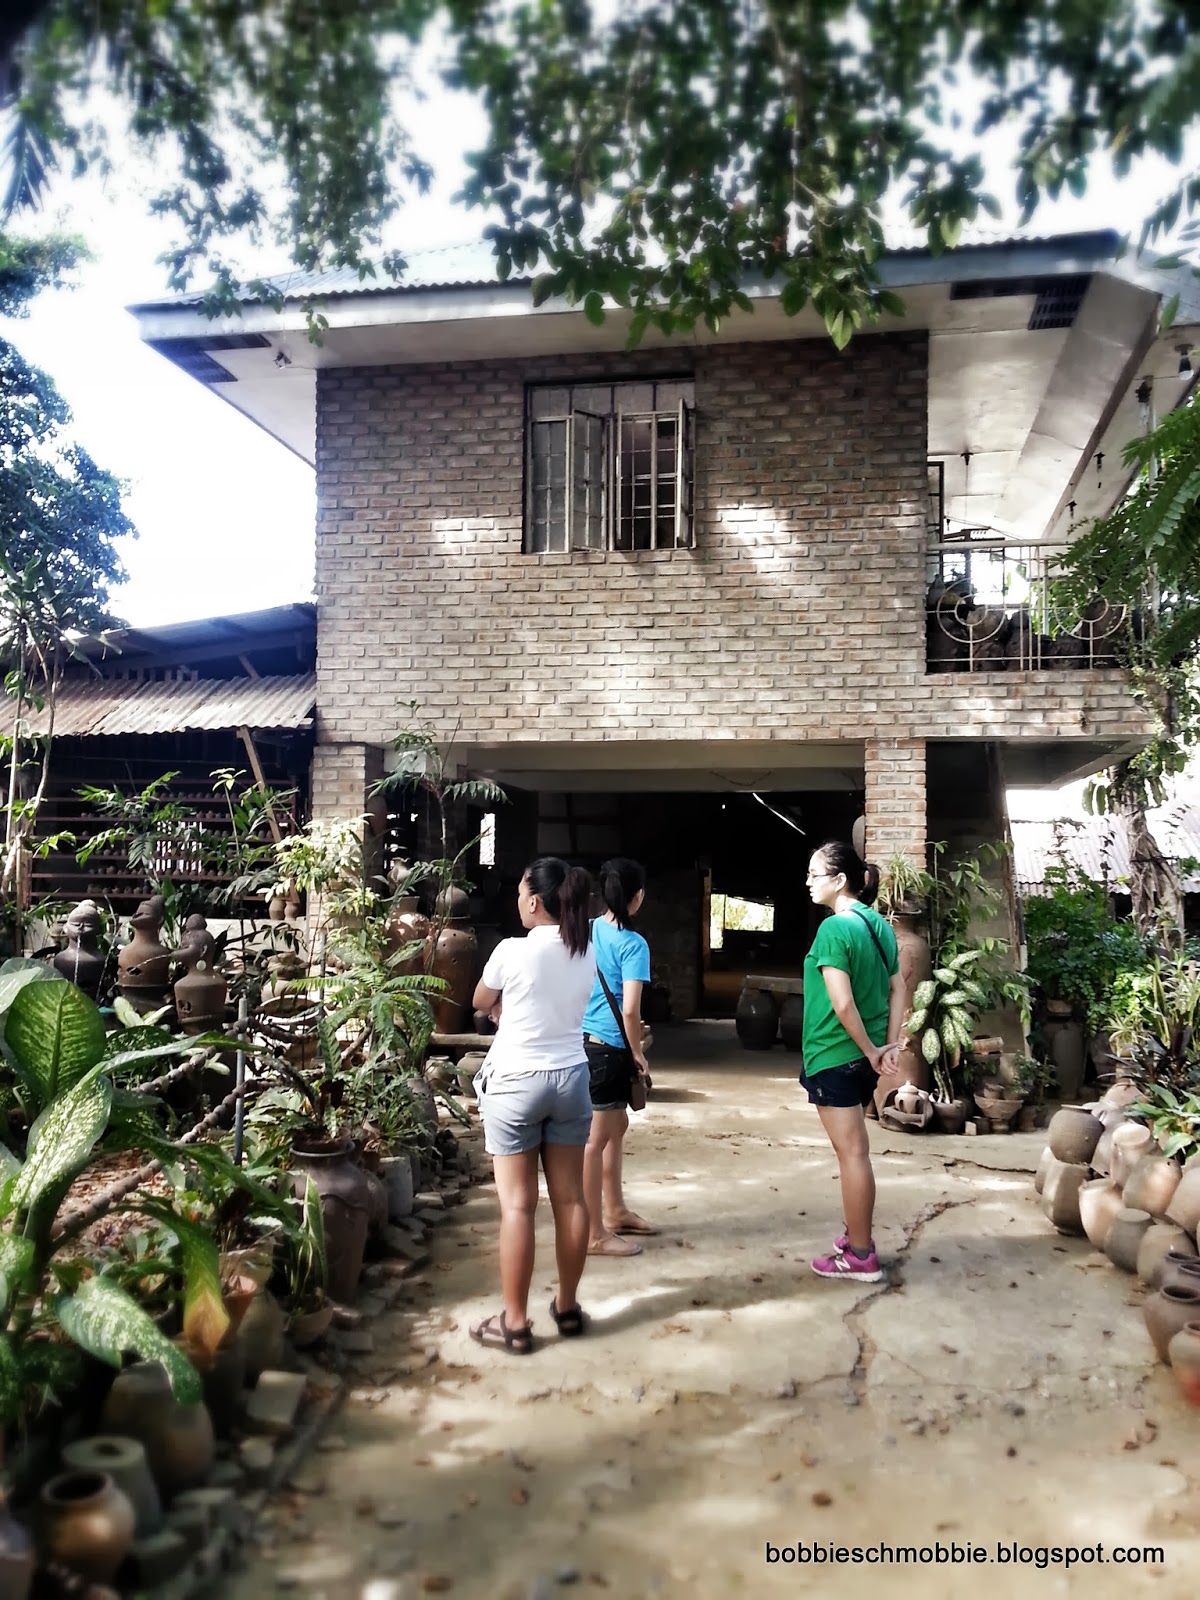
<point x="987" y="602"/>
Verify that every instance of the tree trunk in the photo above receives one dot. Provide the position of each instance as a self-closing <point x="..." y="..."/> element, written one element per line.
<point x="1153" y="883"/>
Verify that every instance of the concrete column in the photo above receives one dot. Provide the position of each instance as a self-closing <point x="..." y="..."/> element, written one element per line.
<point x="896" y="803"/>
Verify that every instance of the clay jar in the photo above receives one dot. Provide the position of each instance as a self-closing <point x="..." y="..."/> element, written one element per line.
<point x="82" y="962"/>
<point x="756" y="1019"/>
<point x="1179" y="1271"/>
<point x="345" y="1192"/>
<point x="17" y="1559"/>
<point x="1099" y="1204"/>
<point x="1152" y="1184"/>
<point x="178" y="1439"/>
<point x="200" y="993"/>
<point x="1168" y="1310"/>
<point x="1043" y="1168"/>
<point x="407" y="926"/>
<point x="144" y="965"/>
<point x="261" y="1336"/>
<point x="1159" y="1244"/>
<point x="1125" y="1237"/>
<point x="85" y="1524"/>
<point x="1074" y="1134"/>
<point x="791" y="1022"/>
<point x="1130" y="1142"/>
<point x="1183" y="1353"/>
<point x="124" y="1460"/>
<point x="1185" y="1203"/>
<point x="915" y="966"/>
<point x="456" y="960"/>
<point x="1060" y="1195"/>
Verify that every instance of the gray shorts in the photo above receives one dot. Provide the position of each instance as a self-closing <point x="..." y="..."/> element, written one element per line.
<point x="522" y="1111"/>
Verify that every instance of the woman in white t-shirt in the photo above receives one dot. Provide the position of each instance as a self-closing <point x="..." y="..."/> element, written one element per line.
<point x="534" y="1093"/>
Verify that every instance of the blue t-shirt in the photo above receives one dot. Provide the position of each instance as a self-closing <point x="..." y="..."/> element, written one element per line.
<point x="623" y="957"/>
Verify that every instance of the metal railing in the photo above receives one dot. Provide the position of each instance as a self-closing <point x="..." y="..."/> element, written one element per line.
<point x="987" y="606"/>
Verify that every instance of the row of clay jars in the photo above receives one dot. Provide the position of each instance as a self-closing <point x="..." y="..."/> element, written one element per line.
<point x="1169" y="1310"/>
<point x="1164" y="1248"/>
<point x="1183" y="1353"/>
<point x="1184" y="1209"/>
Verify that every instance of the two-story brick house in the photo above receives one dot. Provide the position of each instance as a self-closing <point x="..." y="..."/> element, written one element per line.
<point x="691" y="599"/>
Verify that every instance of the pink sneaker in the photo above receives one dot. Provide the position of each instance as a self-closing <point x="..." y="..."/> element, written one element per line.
<point x="843" y="1264"/>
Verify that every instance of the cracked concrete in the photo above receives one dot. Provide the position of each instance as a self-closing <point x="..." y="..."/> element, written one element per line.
<point x="998" y="1387"/>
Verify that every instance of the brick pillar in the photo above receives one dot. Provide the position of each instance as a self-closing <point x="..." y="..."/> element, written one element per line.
<point x="895" y="785"/>
<point x="342" y="775"/>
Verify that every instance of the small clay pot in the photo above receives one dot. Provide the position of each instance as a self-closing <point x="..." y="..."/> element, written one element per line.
<point x="1152" y="1183"/>
<point x="1060" y="1195"/>
<point x="124" y="1460"/>
<point x="1131" y="1141"/>
<point x="1159" y="1244"/>
<point x="85" y="1524"/>
<point x="1043" y="1167"/>
<point x="1168" y="1310"/>
<point x="1179" y="1270"/>
<point x="1074" y="1134"/>
<point x="397" y="1174"/>
<point x="949" y="1116"/>
<point x="1183" y="1353"/>
<point x="1125" y="1236"/>
<point x="1185" y="1203"/>
<point x="1099" y="1204"/>
<point x="306" y="1327"/>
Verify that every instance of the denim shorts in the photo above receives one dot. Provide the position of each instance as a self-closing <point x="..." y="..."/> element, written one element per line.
<point x="853" y="1084"/>
<point x="522" y="1111"/>
<point x="611" y="1071"/>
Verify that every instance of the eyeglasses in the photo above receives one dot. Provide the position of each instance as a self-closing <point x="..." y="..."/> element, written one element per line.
<point x="814" y="877"/>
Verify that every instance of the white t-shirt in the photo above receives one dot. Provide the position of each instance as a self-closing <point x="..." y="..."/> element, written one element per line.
<point x="546" y="990"/>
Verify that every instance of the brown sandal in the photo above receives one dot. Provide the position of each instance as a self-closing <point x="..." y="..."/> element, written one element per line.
<point x="633" y="1224"/>
<point x="495" y="1334"/>
<point x="614" y="1245"/>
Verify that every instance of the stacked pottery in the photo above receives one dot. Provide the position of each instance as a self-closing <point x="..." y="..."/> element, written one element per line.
<point x="1152" y="1183"/>
<point x="1130" y="1141"/>
<point x="124" y="1460"/>
<point x="1179" y="1271"/>
<point x="1074" y="1134"/>
<point x="1184" y="1209"/>
<point x="1099" y="1205"/>
<point x="1060" y="1195"/>
<point x="455" y="960"/>
<point x="1125" y="1237"/>
<point x="1167" y="1311"/>
<point x="1162" y="1244"/>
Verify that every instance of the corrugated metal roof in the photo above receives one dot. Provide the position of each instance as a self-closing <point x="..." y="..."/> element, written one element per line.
<point x="473" y="265"/>
<point x="1098" y="848"/>
<point x="123" y="706"/>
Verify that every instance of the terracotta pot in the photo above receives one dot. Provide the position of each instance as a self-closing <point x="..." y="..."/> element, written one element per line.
<point x="261" y="1336"/>
<point x="124" y="1460"/>
<point x="1152" y="1184"/>
<point x="1158" y="1244"/>
<point x="912" y="949"/>
<point x="1130" y="1142"/>
<point x="1060" y="1195"/>
<point x="1099" y="1203"/>
<point x="1073" y="1134"/>
<point x="1183" y="1353"/>
<point x="1101" y="1162"/>
<point x="1168" y="1310"/>
<point x="85" y="1524"/>
<point x="407" y="926"/>
<point x="178" y="1439"/>
<point x="1179" y="1271"/>
<point x="949" y="1116"/>
<point x="17" y="1558"/>
<point x="1000" y="1111"/>
<point x="1185" y="1203"/>
<point x="791" y="1022"/>
<point x="1122" y="1094"/>
<point x="456" y="961"/>
<point x="756" y="1019"/>
<point x="345" y="1192"/>
<point x="1043" y="1167"/>
<point x="1125" y="1237"/>
<point x="306" y="1327"/>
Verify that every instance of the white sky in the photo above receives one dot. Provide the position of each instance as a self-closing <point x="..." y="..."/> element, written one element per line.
<point x="225" y="514"/>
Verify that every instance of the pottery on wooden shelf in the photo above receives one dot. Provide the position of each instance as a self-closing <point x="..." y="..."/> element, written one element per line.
<point x="1074" y="1134"/>
<point x="124" y="1460"/>
<point x="1060" y="1194"/>
<point x="1168" y="1310"/>
<point x="756" y="1019"/>
<point x="1130" y="1142"/>
<point x="1125" y="1236"/>
<point x="85" y="1524"/>
<point x="82" y="962"/>
<point x="1152" y="1183"/>
<point x="1185" y="1203"/>
<point x="178" y="1438"/>
<point x="1043" y="1168"/>
<point x="1099" y="1203"/>
<point x="1183" y="1353"/>
<point x="1179" y="1271"/>
<point x="346" y="1199"/>
<point x="1158" y="1245"/>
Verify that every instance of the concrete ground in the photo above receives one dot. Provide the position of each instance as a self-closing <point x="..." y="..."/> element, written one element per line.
<point x="999" y="1388"/>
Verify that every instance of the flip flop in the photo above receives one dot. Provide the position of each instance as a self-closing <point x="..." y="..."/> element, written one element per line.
<point x="614" y="1246"/>
<point x="570" y="1323"/>
<point x="635" y="1224"/>
<point x="494" y="1333"/>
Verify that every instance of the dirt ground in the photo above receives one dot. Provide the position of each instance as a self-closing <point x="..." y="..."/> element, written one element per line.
<point x="997" y="1390"/>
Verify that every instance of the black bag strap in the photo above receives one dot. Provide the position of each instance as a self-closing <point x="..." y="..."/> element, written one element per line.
<point x="615" y="1010"/>
<point x="866" y="922"/>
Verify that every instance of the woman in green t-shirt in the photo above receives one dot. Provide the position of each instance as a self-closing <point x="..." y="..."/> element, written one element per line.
<point x="853" y="1012"/>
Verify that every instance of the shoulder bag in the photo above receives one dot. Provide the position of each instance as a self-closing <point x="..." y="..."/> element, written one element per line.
<point x="639" y="1081"/>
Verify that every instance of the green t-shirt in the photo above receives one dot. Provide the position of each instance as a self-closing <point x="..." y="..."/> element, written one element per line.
<point x="844" y="941"/>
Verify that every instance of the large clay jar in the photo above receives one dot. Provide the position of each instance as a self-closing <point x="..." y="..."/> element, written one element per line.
<point x="261" y="1336"/>
<point x="1168" y="1310"/>
<point x="345" y="1193"/>
<point x="1179" y="1271"/>
<point x="1152" y="1184"/>
<point x="17" y="1559"/>
<point x="1060" y="1195"/>
<point x="82" y="961"/>
<point x="1074" y="1134"/>
<point x="124" y="1460"/>
<point x="1099" y="1204"/>
<point x="85" y="1524"/>
<point x="950" y="1117"/>
<point x="1130" y="1142"/>
<point x="1043" y="1168"/>
<point x="1125" y="1237"/>
<point x="916" y="965"/>
<point x="1183" y="1353"/>
<point x="407" y="926"/>
<point x="1159" y="1243"/>
<point x="200" y="993"/>
<point x="1185" y="1203"/>
<point x="756" y="1019"/>
<point x="144" y="965"/>
<point x="456" y="961"/>
<point x="178" y="1438"/>
<point x="791" y="1022"/>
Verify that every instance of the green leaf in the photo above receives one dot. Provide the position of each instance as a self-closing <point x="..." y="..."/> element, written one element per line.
<point x="56" y="1035"/>
<point x="11" y="1386"/>
<point x="63" y="1137"/>
<point x="923" y="995"/>
<point x="917" y="1021"/>
<point x="205" y="1319"/>
<point x="107" y="1323"/>
<point x="15" y="974"/>
<point x="593" y="307"/>
<point x="1169" y="312"/>
<point x="16" y="1265"/>
<point x="931" y="1045"/>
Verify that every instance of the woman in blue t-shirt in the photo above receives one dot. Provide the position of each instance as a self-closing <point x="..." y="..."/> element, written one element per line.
<point x="623" y="956"/>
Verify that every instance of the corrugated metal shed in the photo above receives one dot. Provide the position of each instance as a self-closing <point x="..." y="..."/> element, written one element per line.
<point x="126" y="706"/>
<point x="1097" y="847"/>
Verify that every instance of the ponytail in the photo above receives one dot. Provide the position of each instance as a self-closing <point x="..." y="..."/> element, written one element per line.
<point x="862" y="877"/>
<point x="621" y="881"/>
<point x="566" y="893"/>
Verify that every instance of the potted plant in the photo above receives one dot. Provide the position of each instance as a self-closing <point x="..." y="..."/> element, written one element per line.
<point x="310" y="1310"/>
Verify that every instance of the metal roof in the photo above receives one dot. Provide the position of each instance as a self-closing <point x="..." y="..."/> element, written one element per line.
<point x="1097" y="847"/>
<point x="242" y="630"/>
<point x="126" y="706"/>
